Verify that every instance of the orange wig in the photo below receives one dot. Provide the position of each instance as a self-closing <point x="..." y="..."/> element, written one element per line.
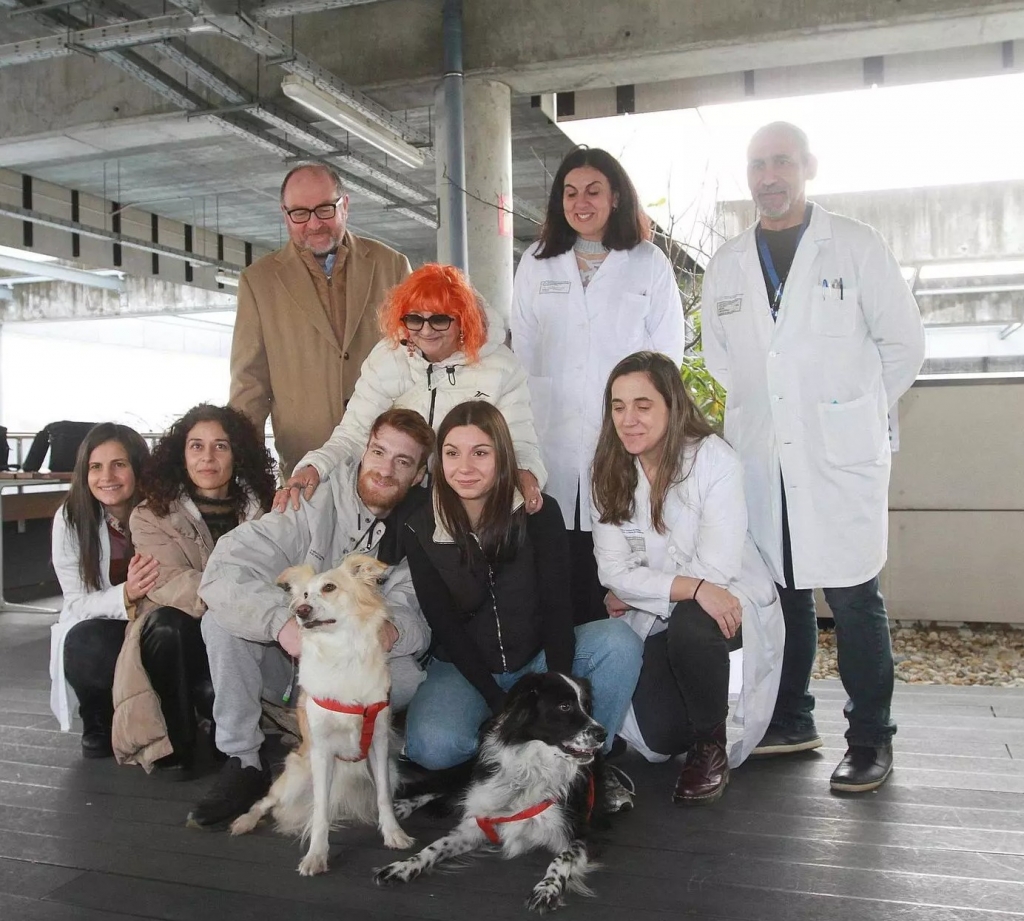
<point x="442" y="289"/>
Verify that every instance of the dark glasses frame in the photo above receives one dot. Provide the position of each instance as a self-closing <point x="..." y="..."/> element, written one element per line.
<point x="439" y="322"/>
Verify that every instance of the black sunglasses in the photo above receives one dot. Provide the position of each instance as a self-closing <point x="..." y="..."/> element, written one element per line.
<point x="438" y="321"/>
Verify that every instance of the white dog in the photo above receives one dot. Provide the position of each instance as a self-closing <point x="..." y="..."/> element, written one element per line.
<point x="344" y="713"/>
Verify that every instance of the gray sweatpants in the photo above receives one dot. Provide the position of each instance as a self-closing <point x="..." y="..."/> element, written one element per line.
<point x="244" y="673"/>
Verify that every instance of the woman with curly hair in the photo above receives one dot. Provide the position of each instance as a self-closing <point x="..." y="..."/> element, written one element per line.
<point x="208" y="473"/>
<point x="440" y="347"/>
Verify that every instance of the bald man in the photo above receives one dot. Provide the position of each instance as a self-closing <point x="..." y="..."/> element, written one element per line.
<point x="808" y="323"/>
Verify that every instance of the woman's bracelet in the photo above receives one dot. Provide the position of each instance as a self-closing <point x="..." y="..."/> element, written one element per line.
<point x="697" y="589"/>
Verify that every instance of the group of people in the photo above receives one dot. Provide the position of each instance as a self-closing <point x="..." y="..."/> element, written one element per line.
<point x="561" y="504"/>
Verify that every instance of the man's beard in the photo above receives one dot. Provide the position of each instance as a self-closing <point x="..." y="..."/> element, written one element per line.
<point x="776" y="211"/>
<point x="381" y="493"/>
<point x="322" y="249"/>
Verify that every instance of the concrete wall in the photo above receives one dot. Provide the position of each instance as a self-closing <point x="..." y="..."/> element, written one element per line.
<point x="956" y="520"/>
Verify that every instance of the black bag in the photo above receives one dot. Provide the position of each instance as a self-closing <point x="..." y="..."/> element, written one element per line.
<point x="62" y="439"/>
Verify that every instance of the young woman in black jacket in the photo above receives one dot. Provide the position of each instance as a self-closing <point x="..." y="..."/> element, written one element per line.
<point x="492" y="582"/>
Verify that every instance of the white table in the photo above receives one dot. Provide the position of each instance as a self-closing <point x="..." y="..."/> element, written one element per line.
<point x="14" y="483"/>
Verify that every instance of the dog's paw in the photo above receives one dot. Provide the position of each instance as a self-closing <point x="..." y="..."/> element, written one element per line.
<point x="244" y="824"/>
<point x="546" y="896"/>
<point x="398" y="840"/>
<point x="405" y="808"/>
<point x="312" y="864"/>
<point x="402" y="871"/>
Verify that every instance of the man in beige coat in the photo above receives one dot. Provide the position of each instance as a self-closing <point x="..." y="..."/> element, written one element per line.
<point x="307" y="316"/>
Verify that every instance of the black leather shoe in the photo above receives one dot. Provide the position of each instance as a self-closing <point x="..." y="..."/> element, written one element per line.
<point x="786" y="742"/>
<point x="234" y="792"/>
<point x="863" y="768"/>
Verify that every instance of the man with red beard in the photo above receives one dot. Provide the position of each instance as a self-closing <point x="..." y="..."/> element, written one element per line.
<point x="252" y="640"/>
<point x="308" y="312"/>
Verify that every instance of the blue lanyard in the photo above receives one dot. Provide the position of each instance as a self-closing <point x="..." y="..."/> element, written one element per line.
<point x="769" y="264"/>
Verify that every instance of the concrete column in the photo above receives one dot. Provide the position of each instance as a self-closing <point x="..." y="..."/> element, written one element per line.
<point x="488" y="107"/>
<point x="488" y="134"/>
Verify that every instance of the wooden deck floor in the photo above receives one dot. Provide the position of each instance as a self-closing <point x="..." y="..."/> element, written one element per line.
<point x="943" y="841"/>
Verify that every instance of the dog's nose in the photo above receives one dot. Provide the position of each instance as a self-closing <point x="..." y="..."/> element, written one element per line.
<point x="600" y="733"/>
<point x="303" y="611"/>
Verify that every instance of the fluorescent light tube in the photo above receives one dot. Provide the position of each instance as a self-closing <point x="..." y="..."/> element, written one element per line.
<point x="224" y="279"/>
<point x="344" y="116"/>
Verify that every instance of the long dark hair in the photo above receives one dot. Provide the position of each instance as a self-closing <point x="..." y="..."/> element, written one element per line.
<point x="82" y="508"/>
<point x="613" y="472"/>
<point x="627" y="226"/>
<point x="499" y="530"/>
<point x="165" y="476"/>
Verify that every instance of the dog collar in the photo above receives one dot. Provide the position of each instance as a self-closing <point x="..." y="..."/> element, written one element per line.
<point x="369" y="714"/>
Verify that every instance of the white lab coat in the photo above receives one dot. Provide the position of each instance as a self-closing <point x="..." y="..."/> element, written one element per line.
<point x="569" y="339"/>
<point x="80" y="603"/>
<point x="808" y="396"/>
<point x="706" y="517"/>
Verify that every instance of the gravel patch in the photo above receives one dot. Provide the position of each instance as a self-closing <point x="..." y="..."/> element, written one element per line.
<point x="982" y="654"/>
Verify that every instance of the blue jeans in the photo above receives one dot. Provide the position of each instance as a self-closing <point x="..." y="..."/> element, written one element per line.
<point x="864" y="651"/>
<point x="444" y="717"/>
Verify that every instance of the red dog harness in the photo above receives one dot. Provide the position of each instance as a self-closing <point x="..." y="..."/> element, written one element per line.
<point x="488" y="824"/>
<point x="369" y="715"/>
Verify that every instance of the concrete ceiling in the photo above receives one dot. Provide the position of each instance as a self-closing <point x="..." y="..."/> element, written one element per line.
<point x="188" y="168"/>
<point x="112" y="122"/>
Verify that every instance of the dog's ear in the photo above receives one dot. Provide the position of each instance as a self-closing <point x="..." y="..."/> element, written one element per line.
<point x="365" y="568"/>
<point x="295" y="576"/>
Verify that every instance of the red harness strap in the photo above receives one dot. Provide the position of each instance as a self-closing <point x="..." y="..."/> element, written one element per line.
<point x="369" y="715"/>
<point x="487" y="823"/>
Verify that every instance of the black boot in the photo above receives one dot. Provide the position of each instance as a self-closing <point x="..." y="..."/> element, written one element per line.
<point x="97" y="711"/>
<point x="234" y="791"/>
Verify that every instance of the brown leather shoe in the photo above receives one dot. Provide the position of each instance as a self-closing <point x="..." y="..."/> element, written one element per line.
<point x="705" y="771"/>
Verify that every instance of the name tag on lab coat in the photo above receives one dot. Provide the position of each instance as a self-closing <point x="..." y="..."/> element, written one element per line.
<point x="555" y="287"/>
<point x="727" y="305"/>
<point x="635" y="539"/>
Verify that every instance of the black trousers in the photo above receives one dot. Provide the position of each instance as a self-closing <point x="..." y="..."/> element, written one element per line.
<point x="683" y="691"/>
<point x="585" y="587"/>
<point x="174" y="656"/>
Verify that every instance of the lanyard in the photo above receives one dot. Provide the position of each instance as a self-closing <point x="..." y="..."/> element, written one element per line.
<point x="769" y="264"/>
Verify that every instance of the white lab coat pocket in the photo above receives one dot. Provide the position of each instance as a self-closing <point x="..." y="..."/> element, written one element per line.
<point x="540" y="403"/>
<point x="631" y="323"/>
<point x="835" y="313"/>
<point x="733" y="425"/>
<point x="852" y="431"/>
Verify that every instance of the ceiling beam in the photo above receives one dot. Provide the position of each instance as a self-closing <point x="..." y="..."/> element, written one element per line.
<point x="53" y="272"/>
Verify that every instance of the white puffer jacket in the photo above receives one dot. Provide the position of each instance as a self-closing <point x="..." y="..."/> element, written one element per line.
<point x="390" y="377"/>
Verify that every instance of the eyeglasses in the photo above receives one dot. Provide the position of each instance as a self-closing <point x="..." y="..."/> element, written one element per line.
<point x="324" y="212"/>
<point x="438" y="322"/>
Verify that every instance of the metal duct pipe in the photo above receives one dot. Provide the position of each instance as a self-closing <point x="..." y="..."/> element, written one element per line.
<point x="454" y="130"/>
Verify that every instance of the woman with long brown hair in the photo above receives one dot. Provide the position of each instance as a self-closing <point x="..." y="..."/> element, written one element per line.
<point x="491" y="582"/>
<point x="101" y="577"/>
<point x="670" y="536"/>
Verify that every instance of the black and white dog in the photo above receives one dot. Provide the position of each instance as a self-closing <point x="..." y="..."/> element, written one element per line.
<point x="532" y="785"/>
